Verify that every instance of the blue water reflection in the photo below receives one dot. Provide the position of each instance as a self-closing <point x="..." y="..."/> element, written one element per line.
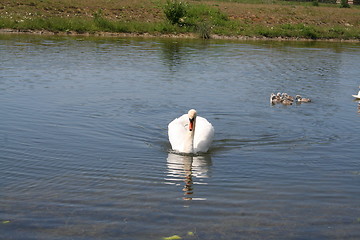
<point x="84" y="152"/>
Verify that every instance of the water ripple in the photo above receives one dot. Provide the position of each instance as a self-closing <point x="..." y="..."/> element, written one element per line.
<point x="85" y="153"/>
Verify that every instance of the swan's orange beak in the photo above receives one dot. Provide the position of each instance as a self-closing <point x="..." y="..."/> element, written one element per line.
<point x="191" y="125"/>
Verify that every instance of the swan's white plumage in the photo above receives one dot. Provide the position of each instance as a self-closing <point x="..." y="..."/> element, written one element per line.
<point x="178" y="131"/>
<point x="357" y="96"/>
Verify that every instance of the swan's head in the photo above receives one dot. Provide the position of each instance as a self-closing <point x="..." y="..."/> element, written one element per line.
<point x="192" y="118"/>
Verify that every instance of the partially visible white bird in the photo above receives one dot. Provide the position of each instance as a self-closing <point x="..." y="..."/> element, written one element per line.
<point x="190" y="133"/>
<point x="357" y="96"/>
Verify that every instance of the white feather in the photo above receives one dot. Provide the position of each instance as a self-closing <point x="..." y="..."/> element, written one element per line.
<point x="180" y="136"/>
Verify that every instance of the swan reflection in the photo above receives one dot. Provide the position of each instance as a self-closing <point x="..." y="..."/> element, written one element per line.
<point x="358" y="102"/>
<point x="187" y="171"/>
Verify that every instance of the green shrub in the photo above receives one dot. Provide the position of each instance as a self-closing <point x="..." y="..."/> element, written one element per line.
<point x="315" y="3"/>
<point x="175" y="11"/>
<point x="344" y="4"/>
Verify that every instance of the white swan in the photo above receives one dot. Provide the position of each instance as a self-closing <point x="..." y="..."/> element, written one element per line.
<point x="190" y="133"/>
<point x="357" y="96"/>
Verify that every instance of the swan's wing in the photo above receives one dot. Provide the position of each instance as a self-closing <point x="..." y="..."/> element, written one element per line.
<point x="204" y="133"/>
<point x="357" y="96"/>
<point x="177" y="132"/>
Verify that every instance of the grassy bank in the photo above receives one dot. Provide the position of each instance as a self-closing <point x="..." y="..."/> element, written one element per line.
<point x="258" y="18"/>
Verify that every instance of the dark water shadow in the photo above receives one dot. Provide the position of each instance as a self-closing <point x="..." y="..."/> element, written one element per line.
<point x="175" y="53"/>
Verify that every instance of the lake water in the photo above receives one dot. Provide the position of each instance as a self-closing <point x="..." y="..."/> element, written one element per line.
<point x="84" y="152"/>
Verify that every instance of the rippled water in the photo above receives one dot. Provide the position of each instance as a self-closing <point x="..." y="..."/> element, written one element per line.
<point x="84" y="152"/>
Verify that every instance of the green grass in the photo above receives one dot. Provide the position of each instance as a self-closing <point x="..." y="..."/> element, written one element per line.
<point x="92" y="25"/>
<point x="271" y="19"/>
<point x="309" y="32"/>
<point x="201" y="24"/>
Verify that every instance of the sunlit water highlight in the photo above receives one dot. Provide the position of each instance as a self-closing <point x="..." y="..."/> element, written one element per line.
<point x="84" y="151"/>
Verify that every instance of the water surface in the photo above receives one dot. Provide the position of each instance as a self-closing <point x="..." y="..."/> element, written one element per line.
<point x="84" y="152"/>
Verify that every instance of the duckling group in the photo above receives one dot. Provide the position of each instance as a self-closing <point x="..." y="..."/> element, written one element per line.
<point x="286" y="99"/>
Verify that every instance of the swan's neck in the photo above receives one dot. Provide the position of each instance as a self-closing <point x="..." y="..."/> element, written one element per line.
<point x="189" y="138"/>
<point x="189" y="142"/>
